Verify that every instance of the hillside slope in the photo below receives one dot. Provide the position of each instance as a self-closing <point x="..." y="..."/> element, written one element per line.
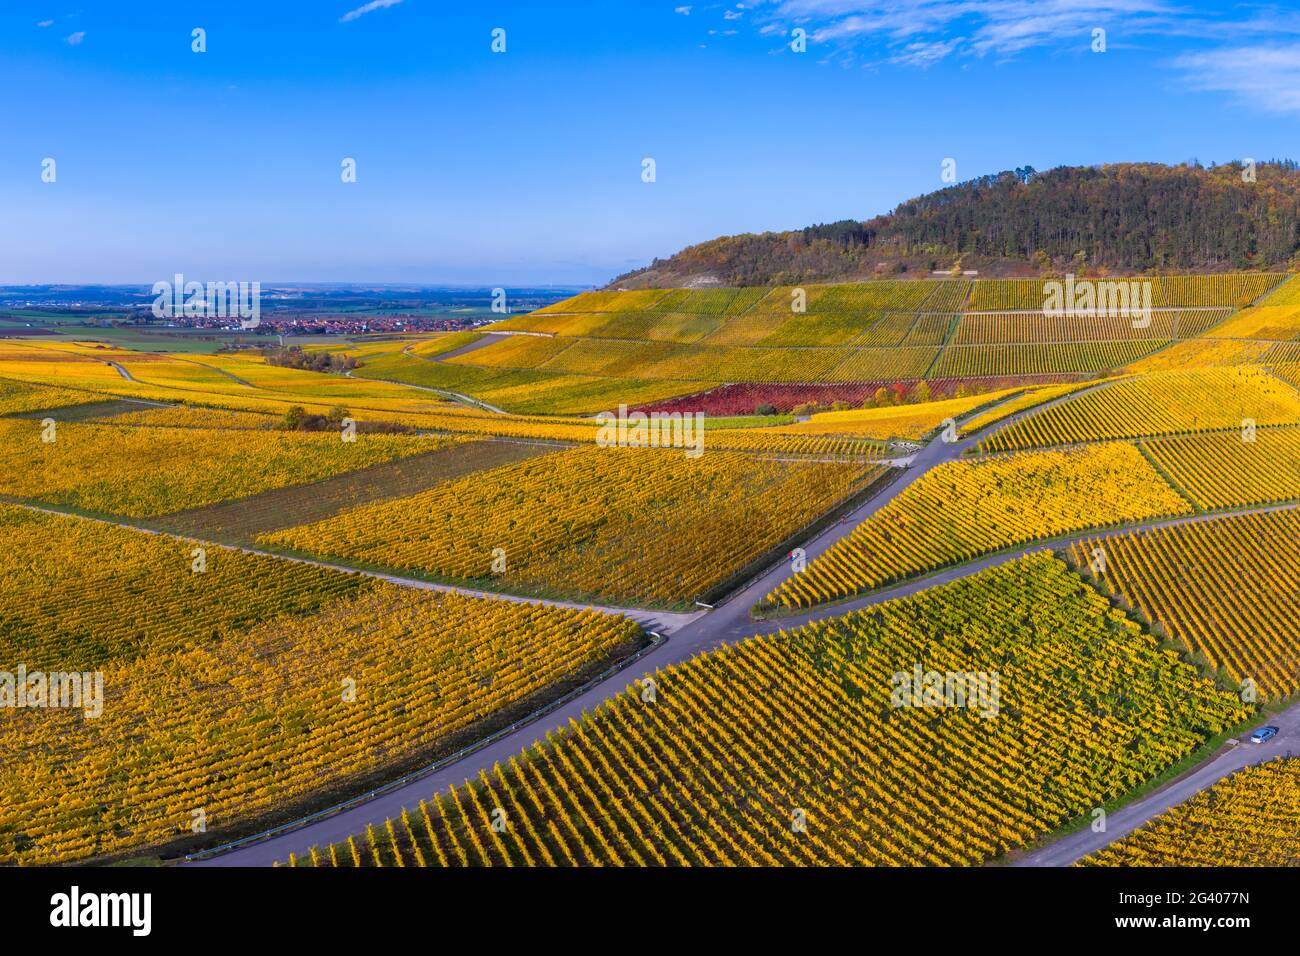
<point x="1118" y="219"/>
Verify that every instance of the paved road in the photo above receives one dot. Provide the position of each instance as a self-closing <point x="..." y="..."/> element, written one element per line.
<point x="1119" y="824"/>
<point x="728" y="622"/>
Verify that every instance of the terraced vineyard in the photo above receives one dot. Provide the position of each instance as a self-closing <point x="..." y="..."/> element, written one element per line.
<point x="792" y="749"/>
<point x="1000" y="328"/>
<point x="1166" y="291"/>
<point x="903" y="330"/>
<point x="972" y="361"/>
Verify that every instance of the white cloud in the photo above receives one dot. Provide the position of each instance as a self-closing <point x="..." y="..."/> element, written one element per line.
<point x="684" y="11"/>
<point x="370" y="7"/>
<point x="75" y="39"/>
<point x="1251" y="52"/>
<point x="732" y="15"/>
<point x="923" y="53"/>
<point x="1002" y="27"/>
<point x="1266" y="77"/>
<point x="1007" y="27"/>
<point x="45" y="23"/>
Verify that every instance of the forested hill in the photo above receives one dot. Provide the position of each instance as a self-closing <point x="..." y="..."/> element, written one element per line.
<point x="1119" y="219"/>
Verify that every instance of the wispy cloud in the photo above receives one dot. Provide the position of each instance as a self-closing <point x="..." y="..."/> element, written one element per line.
<point x="684" y="11"/>
<point x="1003" y="27"/>
<point x="74" y="39"/>
<point x="924" y="52"/>
<point x="1266" y="77"/>
<point x="370" y="7"/>
<point x="45" y="23"/>
<point x="1246" y="51"/>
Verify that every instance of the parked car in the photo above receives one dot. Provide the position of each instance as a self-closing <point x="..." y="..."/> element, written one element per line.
<point x="1264" y="734"/>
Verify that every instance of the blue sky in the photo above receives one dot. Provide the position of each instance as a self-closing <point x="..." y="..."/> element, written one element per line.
<point x="525" y="167"/>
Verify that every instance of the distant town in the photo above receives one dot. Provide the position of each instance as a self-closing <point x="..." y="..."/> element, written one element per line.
<point x="308" y="310"/>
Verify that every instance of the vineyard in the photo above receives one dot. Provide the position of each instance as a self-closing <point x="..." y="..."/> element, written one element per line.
<point x="1173" y="403"/>
<point x="743" y="399"/>
<point x="1029" y="399"/>
<point x="148" y="472"/>
<point x="182" y="416"/>
<point x="637" y="525"/>
<point x="243" y="519"/>
<point x="792" y="750"/>
<point x="902" y="331"/>
<point x="969" y="360"/>
<point x="1276" y="323"/>
<point x="257" y="684"/>
<point x="962" y="510"/>
<point x="913" y="422"/>
<point x="1250" y="819"/>
<point x="928" y="438"/>
<point x="84" y="610"/>
<point x="17" y="398"/>
<point x="1202" y="353"/>
<point x="1200" y="581"/>
<point x="1228" y="471"/>
<point x="1001" y="328"/>
<point x="994" y="295"/>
